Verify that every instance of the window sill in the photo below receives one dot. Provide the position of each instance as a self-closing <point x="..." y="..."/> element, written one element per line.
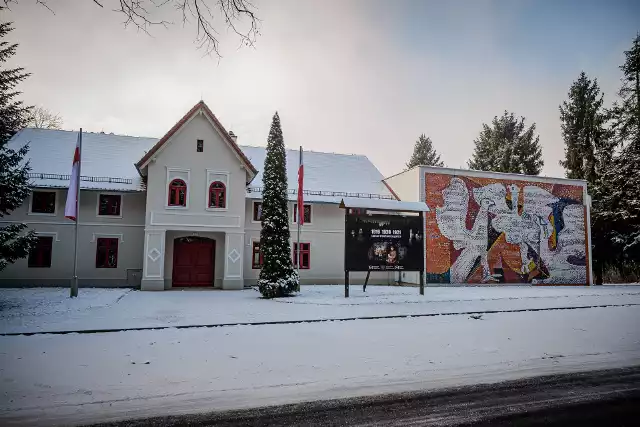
<point x="42" y="214"/>
<point x="178" y="208"/>
<point x="216" y="209"/>
<point x="109" y="216"/>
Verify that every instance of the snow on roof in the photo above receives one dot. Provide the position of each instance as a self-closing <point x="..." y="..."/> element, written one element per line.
<point x="108" y="163"/>
<point x="107" y="159"/>
<point x="383" y="204"/>
<point x="328" y="177"/>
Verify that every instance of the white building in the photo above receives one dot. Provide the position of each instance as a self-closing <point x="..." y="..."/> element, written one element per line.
<point x="184" y="210"/>
<point x="179" y="211"/>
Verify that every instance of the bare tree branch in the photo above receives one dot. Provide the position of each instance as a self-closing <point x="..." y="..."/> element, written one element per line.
<point x="40" y="117"/>
<point x="44" y="4"/>
<point x="238" y="16"/>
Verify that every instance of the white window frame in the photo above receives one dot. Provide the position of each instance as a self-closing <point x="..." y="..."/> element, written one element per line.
<point x="253" y="208"/>
<point x="42" y="190"/>
<point x="294" y="219"/>
<point x="177" y="173"/>
<point x="208" y="183"/>
<point x="54" y="234"/>
<point x="121" y="203"/>
<point x="119" y="236"/>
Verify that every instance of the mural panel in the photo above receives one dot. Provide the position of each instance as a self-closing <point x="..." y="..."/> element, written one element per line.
<point x="487" y="230"/>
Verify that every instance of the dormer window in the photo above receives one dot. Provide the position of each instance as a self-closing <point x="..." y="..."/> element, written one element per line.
<point x="217" y="195"/>
<point x="177" y="193"/>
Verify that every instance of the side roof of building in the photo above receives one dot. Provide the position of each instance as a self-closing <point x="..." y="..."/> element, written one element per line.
<point x="109" y="163"/>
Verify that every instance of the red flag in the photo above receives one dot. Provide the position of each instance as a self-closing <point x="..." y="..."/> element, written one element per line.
<point x="71" y="206"/>
<point x="301" y="190"/>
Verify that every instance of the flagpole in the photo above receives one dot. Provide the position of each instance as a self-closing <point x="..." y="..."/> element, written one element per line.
<point x="74" y="282"/>
<point x="300" y="215"/>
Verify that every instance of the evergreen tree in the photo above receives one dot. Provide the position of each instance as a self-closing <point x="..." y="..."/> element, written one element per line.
<point x="15" y="241"/>
<point x="507" y="146"/>
<point x="277" y="276"/>
<point x="583" y="118"/>
<point x="626" y="113"/>
<point x="619" y="205"/>
<point x="424" y="154"/>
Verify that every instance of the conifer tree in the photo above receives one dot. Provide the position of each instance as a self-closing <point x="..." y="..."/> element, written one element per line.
<point x="424" y="154"/>
<point x="15" y="240"/>
<point x="507" y="146"/>
<point x="587" y="150"/>
<point x="619" y="206"/>
<point x="277" y="276"/>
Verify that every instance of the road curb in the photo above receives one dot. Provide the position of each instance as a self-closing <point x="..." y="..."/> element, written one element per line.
<point x="290" y="322"/>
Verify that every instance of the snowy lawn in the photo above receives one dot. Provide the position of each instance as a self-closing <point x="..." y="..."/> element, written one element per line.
<point x="72" y="379"/>
<point x="50" y="309"/>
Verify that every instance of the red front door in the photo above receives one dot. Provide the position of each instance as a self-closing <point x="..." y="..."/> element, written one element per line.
<point x="193" y="262"/>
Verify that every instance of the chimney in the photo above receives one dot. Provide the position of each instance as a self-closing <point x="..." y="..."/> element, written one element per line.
<point x="233" y="136"/>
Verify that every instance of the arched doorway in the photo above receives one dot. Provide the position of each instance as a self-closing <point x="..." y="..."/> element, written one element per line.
<point x="193" y="261"/>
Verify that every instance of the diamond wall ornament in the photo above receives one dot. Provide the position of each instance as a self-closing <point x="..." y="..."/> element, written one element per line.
<point x="234" y="256"/>
<point x="154" y="254"/>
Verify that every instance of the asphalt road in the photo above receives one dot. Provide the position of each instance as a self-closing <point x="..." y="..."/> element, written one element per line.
<point x="610" y="397"/>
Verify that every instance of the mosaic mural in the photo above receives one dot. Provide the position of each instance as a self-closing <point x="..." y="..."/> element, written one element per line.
<point x="486" y="230"/>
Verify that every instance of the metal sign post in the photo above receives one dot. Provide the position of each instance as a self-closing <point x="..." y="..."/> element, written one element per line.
<point x="380" y="238"/>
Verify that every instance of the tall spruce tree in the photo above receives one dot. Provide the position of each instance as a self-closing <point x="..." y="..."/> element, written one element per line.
<point x="424" y="154"/>
<point x="277" y="276"/>
<point x="588" y="153"/>
<point x="507" y="146"/>
<point x="619" y="206"/>
<point x="587" y="150"/>
<point x="15" y="240"/>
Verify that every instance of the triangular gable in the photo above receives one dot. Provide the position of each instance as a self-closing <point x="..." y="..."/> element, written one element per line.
<point x="216" y="124"/>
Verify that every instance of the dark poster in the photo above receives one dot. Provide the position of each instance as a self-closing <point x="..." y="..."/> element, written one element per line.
<point x="384" y="242"/>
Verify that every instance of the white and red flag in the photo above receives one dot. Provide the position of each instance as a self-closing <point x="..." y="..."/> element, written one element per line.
<point x="300" y="190"/>
<point x="71" y="207"/>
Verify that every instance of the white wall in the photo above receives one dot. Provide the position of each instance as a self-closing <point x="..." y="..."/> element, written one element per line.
<point x="406" y="185"/>
<point x="179" y="154"/>
<point x="129" y="230"/>
<point x="179" y="158"/>
<point x="326" y="237"/>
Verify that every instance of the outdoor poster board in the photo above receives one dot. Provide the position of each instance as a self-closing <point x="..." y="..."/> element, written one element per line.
<point x="383" y="242"/>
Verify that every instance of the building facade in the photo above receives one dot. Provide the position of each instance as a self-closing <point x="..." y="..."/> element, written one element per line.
<point x="184" y="210"/>
<point x="491" y="228"/>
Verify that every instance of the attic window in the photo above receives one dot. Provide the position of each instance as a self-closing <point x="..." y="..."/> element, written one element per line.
<point x="200" y="146"/>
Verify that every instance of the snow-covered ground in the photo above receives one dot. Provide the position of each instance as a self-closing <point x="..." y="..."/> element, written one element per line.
<point x="82" y="378"/>
<point x="34" y="310"/>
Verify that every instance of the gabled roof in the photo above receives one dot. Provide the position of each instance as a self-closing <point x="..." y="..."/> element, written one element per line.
<point x="328" y="177"/>
<point x="108" y="164"/>
<point x="200" y="106"/>
<point x="107" y="159"/>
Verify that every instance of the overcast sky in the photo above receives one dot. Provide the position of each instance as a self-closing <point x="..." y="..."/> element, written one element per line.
<point x="365" y="77"/>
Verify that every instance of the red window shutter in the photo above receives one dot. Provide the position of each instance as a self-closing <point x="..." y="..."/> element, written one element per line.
<point x="177" y="193"/>
<point x="256" y="256"/>
<point x="107" y="253"/>
<point x="302" y="256"/>
<point x="217" y="195"/>
<point x="40" y="255"/>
